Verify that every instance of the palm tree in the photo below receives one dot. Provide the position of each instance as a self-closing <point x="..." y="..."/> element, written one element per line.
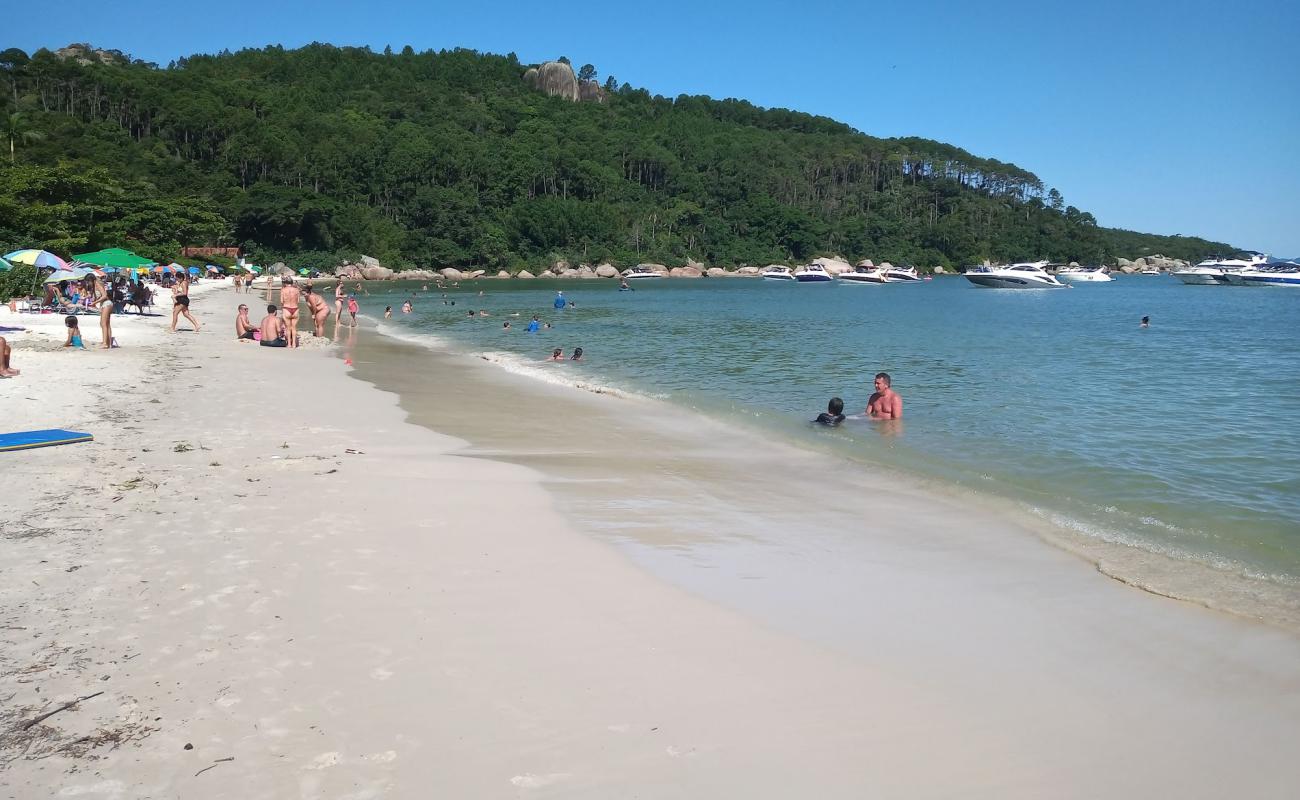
<point x="14" y="130"/>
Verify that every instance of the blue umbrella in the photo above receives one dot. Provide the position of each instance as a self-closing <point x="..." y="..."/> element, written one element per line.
<point x="194" y="270"/>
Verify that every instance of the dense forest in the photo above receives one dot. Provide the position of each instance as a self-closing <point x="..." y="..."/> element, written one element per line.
<point x="450" y="159"/>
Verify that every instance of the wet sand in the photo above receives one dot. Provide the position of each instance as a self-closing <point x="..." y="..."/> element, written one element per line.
<point x="562" y="599"/>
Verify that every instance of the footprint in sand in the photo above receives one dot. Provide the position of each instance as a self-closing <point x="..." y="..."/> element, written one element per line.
<point x="325" y="761"/>
<point x="381" y="674"/>
<point x="530" y="781"/>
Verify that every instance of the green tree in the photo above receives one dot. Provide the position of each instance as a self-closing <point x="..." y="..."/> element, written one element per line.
<point x="587" y="73"/>
<point x="16" y="128"/>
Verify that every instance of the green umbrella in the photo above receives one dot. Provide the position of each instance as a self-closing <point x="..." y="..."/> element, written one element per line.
<point x="5" y="266"/>
<point x="304" y="271"/>
<point x="114" y="257"/>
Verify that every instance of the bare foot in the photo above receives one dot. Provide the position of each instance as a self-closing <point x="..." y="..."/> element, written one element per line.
<point x="8" y="373"/>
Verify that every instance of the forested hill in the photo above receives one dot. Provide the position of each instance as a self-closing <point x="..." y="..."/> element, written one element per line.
<point x="450" y="159"/>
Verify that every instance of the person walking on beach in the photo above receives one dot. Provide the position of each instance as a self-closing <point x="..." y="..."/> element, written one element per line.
<point x="318" y="309"/>
<point x="243" y="325"/>
<point x="289" y="297"/>
<point x="181" y="302"/>
<point x="272" y="329"/>
<point x="101" y="300"/>
<point x="885" y="403"/>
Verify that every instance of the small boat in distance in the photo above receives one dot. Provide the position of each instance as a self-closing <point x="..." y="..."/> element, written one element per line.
<point x="863" y="275"/>
<point x="641" y="273"/>
<point x="1025" y="275"/>
<point x="1148" y="271"/>
<point x="1084" y="274"/>
<point x="777" y="273"/>
<point x="812" y="273"/>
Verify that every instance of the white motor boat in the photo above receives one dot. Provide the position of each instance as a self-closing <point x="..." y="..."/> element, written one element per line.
<point x="641" y="273"/>
<point x="1148" y="271"/>
<point x="777" y="274"/>
<point x="812" y="273"/>
<point x="1219" y="271"/>
<point x="863" y="276"/>
<point x="1084" y="275"/>
<point x="900" y="274"/>
<point x="1277" y="273"/>
<point x="1017" y="276"/>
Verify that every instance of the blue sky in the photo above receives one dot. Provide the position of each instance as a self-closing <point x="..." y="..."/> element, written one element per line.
<point x="1173" y="117"/>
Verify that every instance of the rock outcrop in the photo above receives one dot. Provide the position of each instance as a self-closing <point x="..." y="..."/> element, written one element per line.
<point x="685" y="272"/>
<point x="716" y="272"/>
<point x="556" y="78"/>
<point x="376" y="273"/>
<point x="606" y="271"/>
<point x="523" y="273"/>
<point x="748" y="271"/>
<point x="452" y="274"/>
<point x="84" y="54"/>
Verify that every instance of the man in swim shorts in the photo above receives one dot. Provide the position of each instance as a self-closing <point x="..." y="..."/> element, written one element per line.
<point x="885" y="403"/>
<point x="272" y="329"/>
<point x="243" y="325"/>
<point x="289" y="296"/>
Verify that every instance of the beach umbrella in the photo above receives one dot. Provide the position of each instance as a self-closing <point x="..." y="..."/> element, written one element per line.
<point x="36" y="258"/>
<point x="194" y="270"/>
<point x="72" y="274"/>
<point x="114" y="257"/>
<point x="5" y="266"/>
<point x="211" y="268"/>
<point x="304" y="271"/>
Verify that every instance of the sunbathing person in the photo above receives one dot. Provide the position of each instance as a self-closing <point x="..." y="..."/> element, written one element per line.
<point x="244" y="328"/>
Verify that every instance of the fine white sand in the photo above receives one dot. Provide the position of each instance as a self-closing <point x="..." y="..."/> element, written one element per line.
<point x="348" y="607"/>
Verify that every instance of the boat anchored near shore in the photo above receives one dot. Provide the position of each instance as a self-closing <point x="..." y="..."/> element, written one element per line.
<point x="1084" y="274"/>
<point x="1027" y="275"/>
<point x="812" y="273"/>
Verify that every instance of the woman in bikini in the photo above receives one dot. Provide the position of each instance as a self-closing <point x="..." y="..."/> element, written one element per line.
<point x="181" y="302"/>
<point x="320" y="310"/>
<point x="101" y="300"/>
<point x="339" y="297"/>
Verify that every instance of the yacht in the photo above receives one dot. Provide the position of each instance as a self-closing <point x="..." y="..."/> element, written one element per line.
<point x="1219" y="271"/>
<point x="777" y="273"/>
<point x="1084" y="275"/>
<point x="812" y="273"/>
<point x="636" y="273"/>
<point x="900" y="274"/>
<point x="1148" y="271"/>
<point x="1274" y="273"/>
<point x="864" y="275"/>
<point x="1017" y="276"/>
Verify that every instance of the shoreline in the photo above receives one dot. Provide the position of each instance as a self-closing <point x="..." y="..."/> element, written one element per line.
<point x="1195" y="578"/>
<point x="346" y="607"/>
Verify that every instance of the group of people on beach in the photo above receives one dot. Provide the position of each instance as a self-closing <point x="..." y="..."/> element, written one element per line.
<point x="884" y="404"/>
<point x="279" y="328"/>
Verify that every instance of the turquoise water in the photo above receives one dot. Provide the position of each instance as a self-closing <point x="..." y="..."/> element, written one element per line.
<point x="1180" y="439"/>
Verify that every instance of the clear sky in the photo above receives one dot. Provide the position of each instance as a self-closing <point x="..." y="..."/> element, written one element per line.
<point x="1180" y="116"/>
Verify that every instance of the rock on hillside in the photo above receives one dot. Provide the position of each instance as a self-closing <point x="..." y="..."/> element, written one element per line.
<point x="556" y="78"/>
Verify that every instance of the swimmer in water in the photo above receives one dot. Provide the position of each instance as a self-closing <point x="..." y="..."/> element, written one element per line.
<point x="577" y="354"/>
<point x="1146" y="322"/>
<point x="833" y="415"/>
<point x="388" y="312"/>
<point x="557" y="354"/>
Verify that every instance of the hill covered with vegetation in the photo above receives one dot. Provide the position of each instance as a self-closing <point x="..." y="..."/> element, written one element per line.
<point x="451" y="159"/>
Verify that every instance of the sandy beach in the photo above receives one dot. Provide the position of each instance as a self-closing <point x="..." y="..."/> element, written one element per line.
<point x="271" y="579"/>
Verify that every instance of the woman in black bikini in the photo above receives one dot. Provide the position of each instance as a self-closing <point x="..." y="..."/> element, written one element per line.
<point x="181" y="302"/>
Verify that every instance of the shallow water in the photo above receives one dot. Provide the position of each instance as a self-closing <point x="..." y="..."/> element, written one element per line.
<point x="1179" y="440"/>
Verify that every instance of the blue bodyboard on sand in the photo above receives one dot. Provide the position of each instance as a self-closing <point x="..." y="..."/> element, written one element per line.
<point x="25" y="440"/>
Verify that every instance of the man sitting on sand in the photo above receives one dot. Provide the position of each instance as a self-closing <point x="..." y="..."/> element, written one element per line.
<point x="244" y="328"/>
<point x="885" y="403"/>
<point x="289" y="295"/>
<point x="272" y="329"/>
<point x="5" y="351"/>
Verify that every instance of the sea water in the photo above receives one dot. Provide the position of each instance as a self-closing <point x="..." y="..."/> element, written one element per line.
<point x="1181" y="439"/>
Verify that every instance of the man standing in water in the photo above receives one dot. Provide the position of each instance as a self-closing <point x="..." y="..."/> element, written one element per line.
<point x="289" y="295"/>
<point x="885" y="403"/>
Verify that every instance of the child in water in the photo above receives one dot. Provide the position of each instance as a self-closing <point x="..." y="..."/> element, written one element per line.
<point x="388" y="312"/>
<point x="557" y="354"/>
<point x="577" y="354"/>
<point x="833" y="415"/>
<point x="74" y="333"/>
<point x="353" y="308"/>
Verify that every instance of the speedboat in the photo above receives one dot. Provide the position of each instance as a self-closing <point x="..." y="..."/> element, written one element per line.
<point x="864" y="275"/>
<point x="636" y="273"/>
<point x="1219" y="271"/>
<point x="1275" y="273"/>
<point x="1148" y="271"/>
<point x="900" y="274"/>
<point x="1084" y="274"/>
<point x="812" y="273"/>
<point x="1017" y="276"/>
<point x="777" y="273"/>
